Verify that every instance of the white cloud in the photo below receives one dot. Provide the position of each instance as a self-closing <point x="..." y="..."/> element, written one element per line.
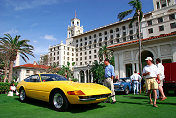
<point x="49" y="37"/>
<point x="29" y="4"/>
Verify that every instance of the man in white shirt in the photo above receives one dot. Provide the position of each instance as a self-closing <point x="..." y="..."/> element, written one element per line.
<point x="151" y="73"/>
<point x="135" y="80"/>
<point x="162" y="76"/>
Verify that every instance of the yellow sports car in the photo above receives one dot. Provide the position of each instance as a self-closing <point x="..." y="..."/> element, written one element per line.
<point x="60" y="92"/>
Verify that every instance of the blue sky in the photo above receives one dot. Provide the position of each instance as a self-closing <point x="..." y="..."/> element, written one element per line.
<point x="45" y="22"/>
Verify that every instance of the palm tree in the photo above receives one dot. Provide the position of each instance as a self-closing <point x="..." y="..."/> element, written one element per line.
<point x="104" y="53"/>
<point x="14" y="46"/>
<point x="138" y="14"/>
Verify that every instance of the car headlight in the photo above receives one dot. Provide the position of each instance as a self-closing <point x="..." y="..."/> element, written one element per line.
<point x="79" y="92"/>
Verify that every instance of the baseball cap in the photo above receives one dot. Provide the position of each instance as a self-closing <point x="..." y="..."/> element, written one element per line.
<point x="149" y="58"/>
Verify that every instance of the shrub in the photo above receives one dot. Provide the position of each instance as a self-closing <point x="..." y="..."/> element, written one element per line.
<point x="5" y="87"/>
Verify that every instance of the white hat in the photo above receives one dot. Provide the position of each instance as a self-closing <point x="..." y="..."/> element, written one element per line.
<point x="149" y="58"/>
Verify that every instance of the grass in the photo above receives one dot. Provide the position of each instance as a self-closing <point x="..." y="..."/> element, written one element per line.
<point x="127" y="106"/>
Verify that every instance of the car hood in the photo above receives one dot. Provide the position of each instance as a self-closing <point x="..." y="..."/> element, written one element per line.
<point x="87" y="88"/>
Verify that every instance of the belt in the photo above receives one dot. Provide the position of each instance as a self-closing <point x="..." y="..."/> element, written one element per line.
<point x="151" y="78"/>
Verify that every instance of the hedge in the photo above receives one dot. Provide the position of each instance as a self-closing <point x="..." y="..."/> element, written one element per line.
<point x="5" y="87"/>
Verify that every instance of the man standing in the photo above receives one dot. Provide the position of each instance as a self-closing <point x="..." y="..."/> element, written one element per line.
<point x="109" y="76"/>
<point x="162" y="76"/>
<point x="135" y="80"/>
<point x="151" y="73"/>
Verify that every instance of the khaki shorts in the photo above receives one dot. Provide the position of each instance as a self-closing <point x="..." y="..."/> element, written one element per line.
<point x="151" y="84"/>
<point x="161" y="83"/>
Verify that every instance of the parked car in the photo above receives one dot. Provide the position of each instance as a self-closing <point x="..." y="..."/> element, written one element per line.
<point x="170" y="77"/>
<point x="123" y="85"/>
<point x="60" y="92"/>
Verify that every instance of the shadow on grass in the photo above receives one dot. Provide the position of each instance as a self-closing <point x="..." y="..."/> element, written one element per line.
<point x="72" y="108"/>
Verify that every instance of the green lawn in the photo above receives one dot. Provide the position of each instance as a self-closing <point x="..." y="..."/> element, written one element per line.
<point x="131" y="106"/>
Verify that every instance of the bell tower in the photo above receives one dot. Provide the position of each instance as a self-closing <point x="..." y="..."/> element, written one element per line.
<point x="75" y="28"/>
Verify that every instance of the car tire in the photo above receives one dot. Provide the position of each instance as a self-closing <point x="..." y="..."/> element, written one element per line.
<point x="59" y="101"/>
<point x="22" y="95"/>
<point x="127" y="90"/>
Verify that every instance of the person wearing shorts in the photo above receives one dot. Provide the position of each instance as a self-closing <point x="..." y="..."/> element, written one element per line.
<point x="151" y="73"/>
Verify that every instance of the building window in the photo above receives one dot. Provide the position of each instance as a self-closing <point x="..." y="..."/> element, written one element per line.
<point x="131" y="31"/>
<point x="80" y="49"/>
<point x="81" y="54"/>
<point x="100" y="44"/>
<point x="72" y="54"/>
<point x="80" y="44"/>
<point x="72" y="49"/>
<point x="131" y="37"/>
<point x="111" y="41"/>
<point x="124" y="33"/>
<point x="89" y="57"/>
<point x="58" y="58"/>
<point x="117" y="35"/>
<point x="95" y="51"/>
<point x="58" y="52"/>
<point x="117" y="29"/>
<point x="68" y="58"/>
<point x="67" y="53"/>
<point x="173" y="25"/>
<point x="111" y="31"/>
<point x="149" y="22"/>
<point x="123" y="27"/>
<point x="85" y="53"/>
<point x="90" y="37"/>
<point x="80" y="63"/>
<point x="89" y="52"/>
<point x="76" y="54"/>
<point x="76" y="41"/>
<point x="80" y="58"/>
<point x="106" y="38"/>
<point x="90" y="42"/>
<point x="94" y="35"/>
<point x="72" y="59"/>
<point x="172" y="17"/>
<point x="100" y="39"/>
<point x="54" y="58"/>
<point x="76" y="45"/>
<point x="150" y="30"/>
<point x="100" y="34"/>
<point x="95" y="45"/>
<point x="84" y="48"/>
<point x="95" y="56"/>
<point x="130" y="25"/>
<point x="54" y="53"/>
<point x="105" y="33"/>
<point x="158" y="5"/>
<point x="117" y="40"/>
<point x="112" y="36"/>
<point x="85" y="38"/>
<point x="160" y="20"/>
<point x="85" y="58"/>
<point x="85" y="43"/>
<point x="161" y="28"/>
<point x="89" y="47"/>
<point x="95" y="41"/>
<point x="106" y="43"/>
<point x="80" y="39"/>
<point x="27" y="71"/>
<point x="124" y="39"/>
<point x="76" y="59"/>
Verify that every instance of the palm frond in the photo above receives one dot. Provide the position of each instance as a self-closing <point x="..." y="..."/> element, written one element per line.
<point x="122" y="15"/>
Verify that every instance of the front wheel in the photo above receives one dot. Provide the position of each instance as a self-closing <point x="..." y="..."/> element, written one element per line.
<point x="59" y="101"/>
<point x="126" y="90"/>
<point x="22" y="95"/>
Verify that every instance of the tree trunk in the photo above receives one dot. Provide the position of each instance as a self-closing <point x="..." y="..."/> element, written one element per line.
<point x="11" y="71"/>
<point x="5" y="73"/>
<point x="140" y="64"/>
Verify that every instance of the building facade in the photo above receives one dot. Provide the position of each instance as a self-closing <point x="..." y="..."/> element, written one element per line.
<point x="121" y="37"/>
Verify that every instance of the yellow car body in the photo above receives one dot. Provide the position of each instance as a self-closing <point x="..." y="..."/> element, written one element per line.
<point x="76" y="93"/>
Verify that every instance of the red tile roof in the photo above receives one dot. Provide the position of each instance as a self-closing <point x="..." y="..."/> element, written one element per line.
<point x="150" y="38"/>
<point x="33" y="66"/>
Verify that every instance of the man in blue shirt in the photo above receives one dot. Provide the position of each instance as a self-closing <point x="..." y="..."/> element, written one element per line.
<point x="109" y="76"/>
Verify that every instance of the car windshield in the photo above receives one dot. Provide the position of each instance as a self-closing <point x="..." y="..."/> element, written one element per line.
<point x="52" y="77"/>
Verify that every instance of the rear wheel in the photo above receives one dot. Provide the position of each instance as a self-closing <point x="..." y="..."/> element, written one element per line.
<point x="127" y="90"/>
<point x="22" y="95"/>
<point x="59" y="101"/>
